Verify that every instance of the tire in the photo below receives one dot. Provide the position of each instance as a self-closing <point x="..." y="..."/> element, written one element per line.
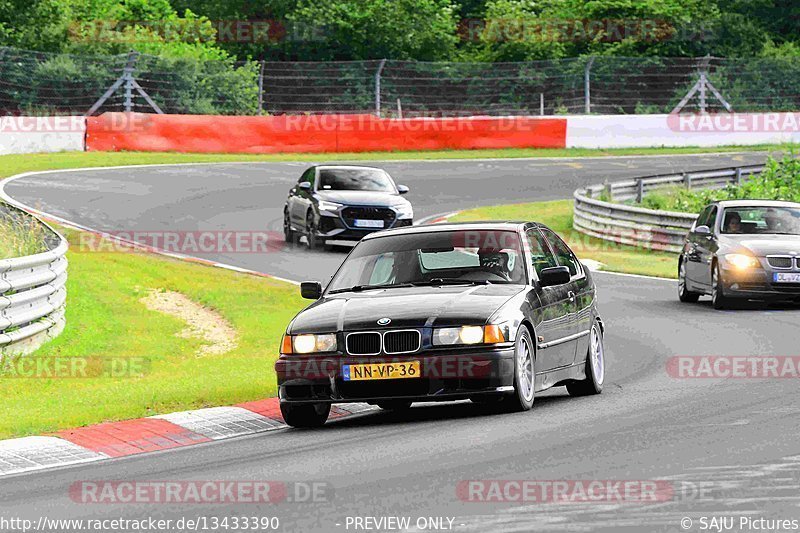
<point x="311" y="415"/>
<point x="684" y="294"/>
<point x="395" y="405"/>
<point x="289" y="235"/>
<point x="595" y="366"/>
<point x="312" y="240"/>
<point x="524" y="373"/>
<point x="718" y="298"/>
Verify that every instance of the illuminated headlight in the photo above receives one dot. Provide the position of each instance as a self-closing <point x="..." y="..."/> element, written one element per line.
<point x="328" y="206"/>
<point x="491" y="334"/>
<point x="304" y="344"/>
<point x="742" y="261"/>
<point x="404" y="211"/>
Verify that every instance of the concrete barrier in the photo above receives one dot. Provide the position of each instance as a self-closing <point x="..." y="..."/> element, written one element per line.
<point x="24" y="135"/>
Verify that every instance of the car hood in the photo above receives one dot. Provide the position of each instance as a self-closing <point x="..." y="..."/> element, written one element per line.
<point x="761" y="245"/>
<point x="406" y="307"/>
<point x="362" y="198"/>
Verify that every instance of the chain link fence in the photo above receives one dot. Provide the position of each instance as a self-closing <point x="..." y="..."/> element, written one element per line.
<point x="40" y="83"/>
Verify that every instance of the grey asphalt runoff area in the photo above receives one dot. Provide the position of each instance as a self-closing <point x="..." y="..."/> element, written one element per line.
<point x="723" y="447"/>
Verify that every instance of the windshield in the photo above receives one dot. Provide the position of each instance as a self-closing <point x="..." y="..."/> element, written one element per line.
<point x="761" y="220"/>
<point x="355" y="179"/>
<point x="445" y="257"/>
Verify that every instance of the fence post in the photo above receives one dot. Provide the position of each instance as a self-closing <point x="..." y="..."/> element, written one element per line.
<point x="703" y="82"/>
<point x="127" y="73"/>
<point x="261" y="88"/>
<point x="587" y="87"/>
<point x="378" y="88"/>
<point x="639" y="190"/>
<point x="541" y="104"/>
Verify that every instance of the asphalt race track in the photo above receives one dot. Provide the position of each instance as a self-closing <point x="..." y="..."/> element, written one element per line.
<point x="726" y="447"/>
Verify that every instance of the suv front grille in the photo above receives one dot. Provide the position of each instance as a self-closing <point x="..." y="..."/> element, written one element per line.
<point x="779" y="261"/>
<point x="351" y="214"/>
<point x="405" y="341"/>
<point x="363" y="343"/>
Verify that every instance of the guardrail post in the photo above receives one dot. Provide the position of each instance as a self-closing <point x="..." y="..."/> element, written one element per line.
<point x="639" y="190"/>
<point x="609" y="191"/>
<point x="687" y="180"/>
<point x="738" y="177"/>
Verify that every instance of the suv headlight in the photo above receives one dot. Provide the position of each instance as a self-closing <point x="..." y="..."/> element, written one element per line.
<point x="328" y="206"/>
<point x="308" y="343"/>
<point x="491" y="334"/>
<point x="404" y="211"/>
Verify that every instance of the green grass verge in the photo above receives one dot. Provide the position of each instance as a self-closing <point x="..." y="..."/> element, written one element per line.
<point x="558" y="216"/>
<point x="106" y="318"/>
<point x="14" y="164"/>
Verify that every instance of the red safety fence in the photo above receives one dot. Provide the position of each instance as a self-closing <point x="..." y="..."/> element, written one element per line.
<point x="316" y="133"/>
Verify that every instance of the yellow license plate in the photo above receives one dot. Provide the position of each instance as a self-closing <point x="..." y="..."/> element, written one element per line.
<point x="402" y="370"/>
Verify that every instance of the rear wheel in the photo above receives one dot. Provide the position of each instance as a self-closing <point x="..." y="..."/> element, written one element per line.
<point x="595" y="366"/>
<point x="718" y="298"/>
<point x="524" y="375"/>
<point x="684" y="294"/>
<point x="311" y="415"/>
<point x="395" y="405"/>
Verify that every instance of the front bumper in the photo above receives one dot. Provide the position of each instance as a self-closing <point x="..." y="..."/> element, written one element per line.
<point x="757" y="284"/>
<point x="320" y="379"/>
<point x="332" y="226"/>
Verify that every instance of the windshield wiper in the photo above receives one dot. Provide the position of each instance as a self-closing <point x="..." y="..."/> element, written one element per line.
<point x="453" y="281"/>
<point x="359" y="288"/>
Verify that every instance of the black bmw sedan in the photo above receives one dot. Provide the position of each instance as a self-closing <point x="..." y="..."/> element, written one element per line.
<point x="742" y="249"/>
<point x="492" y="312"/>
<point x="344" y="203"/>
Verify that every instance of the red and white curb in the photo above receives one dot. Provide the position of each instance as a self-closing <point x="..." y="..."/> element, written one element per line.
<point x="162" y="432"/>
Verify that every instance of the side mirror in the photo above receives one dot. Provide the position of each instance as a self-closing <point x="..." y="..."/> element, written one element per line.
<point x="554" y="276"/>
<point x="306" y="186"/>
<point x="703" y="230"/>
<point x="402" y="189"/>
<point x="311" y="290"/>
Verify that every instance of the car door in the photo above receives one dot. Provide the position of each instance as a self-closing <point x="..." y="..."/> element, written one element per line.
<point x="579" y="292"/>
<point x="702" y="249"/>
<point x="555" y="324"/>
<point x="301" y="198"/>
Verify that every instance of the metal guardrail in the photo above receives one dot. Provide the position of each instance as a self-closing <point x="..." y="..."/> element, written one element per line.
<point x="596" y="213"/>
<point x="33" y="295"/>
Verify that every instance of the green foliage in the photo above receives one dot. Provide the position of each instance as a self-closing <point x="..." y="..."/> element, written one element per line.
<point x="20" y="234"/>
<point x="779" y="181"/>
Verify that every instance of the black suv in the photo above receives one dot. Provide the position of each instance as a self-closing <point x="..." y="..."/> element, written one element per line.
<point x="344" y="203"/>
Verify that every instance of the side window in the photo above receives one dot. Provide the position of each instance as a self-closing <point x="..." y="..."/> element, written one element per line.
<point x="541" y="256"/>
<point x="705" y="214"/>
<point x="712" y="218"/>
<point x="563" y="253"/>
<point x="308" y="176"/>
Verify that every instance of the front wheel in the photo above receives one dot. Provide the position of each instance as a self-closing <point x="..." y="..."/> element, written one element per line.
<point x="524" y="375"/>
<point x="310" y="415"/>
<point x="312" y="240"/>
<point x="289" y="234"/>
<point x="595" y="366"/>
<point x="684" y="294"/>
<point x="718" y="298"/>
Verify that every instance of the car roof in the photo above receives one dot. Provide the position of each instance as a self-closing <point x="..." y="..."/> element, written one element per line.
<point x="756" y="203"/>
<point x="344" y="167"/>
<point x="505" y="225"/>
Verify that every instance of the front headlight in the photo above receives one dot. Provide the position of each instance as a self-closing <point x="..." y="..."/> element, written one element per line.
<point x="491" y="334"/>
<point x="328" y="206"/>
<point x="742" y="261"/>
<point x="305" y="344"/>
<point x="404" y="211"/>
